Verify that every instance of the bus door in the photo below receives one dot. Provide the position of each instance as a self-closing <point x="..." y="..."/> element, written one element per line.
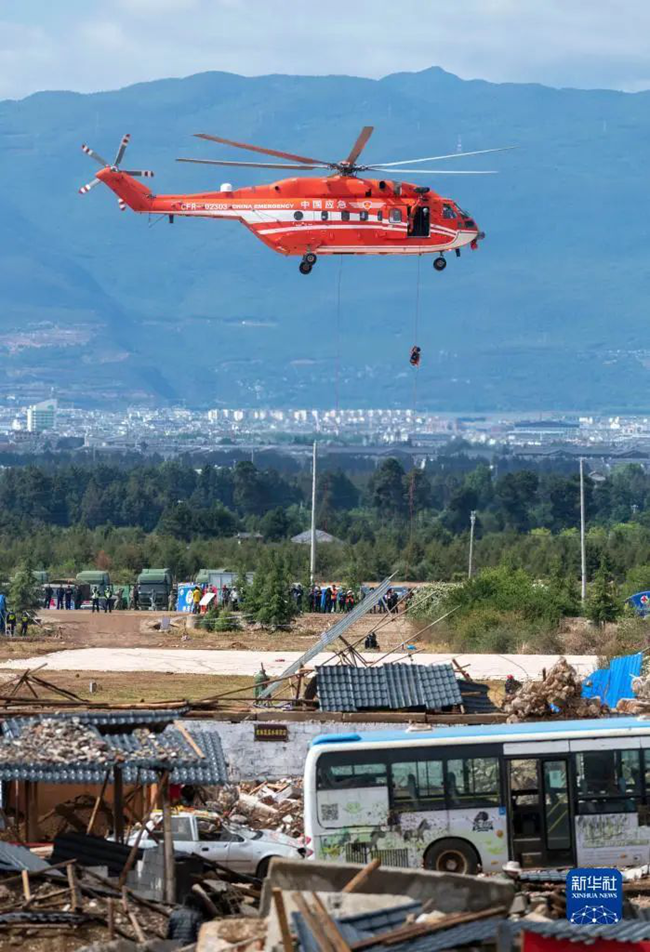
<point x="540" y="820"/>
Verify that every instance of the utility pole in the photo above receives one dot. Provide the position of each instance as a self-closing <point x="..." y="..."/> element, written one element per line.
<point x="583" y="551"/>
<point x="472" y="523"/>
<point x="312" y="554"/>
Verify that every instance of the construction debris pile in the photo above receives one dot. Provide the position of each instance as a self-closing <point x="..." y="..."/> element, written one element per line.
<point x="267" y="806"/>
<point x="640" y="703"/>
<point x="51" y="740"/>
<point x="559" y="694"/>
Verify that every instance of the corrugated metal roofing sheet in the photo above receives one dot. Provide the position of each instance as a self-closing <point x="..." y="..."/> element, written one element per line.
<point x="389" y="686"/>
<point x="613" y="683"/>
<point x="14" y="857"/>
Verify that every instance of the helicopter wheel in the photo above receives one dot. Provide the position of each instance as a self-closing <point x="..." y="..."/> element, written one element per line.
<point x="310" y="258"/>
<point x="439" y="263"/>
<point x="304" y="267"/>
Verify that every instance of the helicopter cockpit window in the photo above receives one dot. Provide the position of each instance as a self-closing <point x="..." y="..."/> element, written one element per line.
<point x="324" y="216"/>
<point x="448" y="212"/>
<point x="298" y="216"/>
<point x="345" y="216"/>
<point x="395" y="214"/>
<point x="363" y="216"/>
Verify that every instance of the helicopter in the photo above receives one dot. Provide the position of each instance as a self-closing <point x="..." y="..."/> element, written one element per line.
<point x="340" y="212"/>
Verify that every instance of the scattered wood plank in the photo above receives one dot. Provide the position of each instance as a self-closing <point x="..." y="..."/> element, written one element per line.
<point x="361" y="877"/>
<point x="283" y="920"/>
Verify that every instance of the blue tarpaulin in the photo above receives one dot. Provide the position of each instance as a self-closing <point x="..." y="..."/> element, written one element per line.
<point x="613" y="683"/>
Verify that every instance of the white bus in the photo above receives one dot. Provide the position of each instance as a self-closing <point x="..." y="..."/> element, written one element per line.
<point x="460" y="799"/>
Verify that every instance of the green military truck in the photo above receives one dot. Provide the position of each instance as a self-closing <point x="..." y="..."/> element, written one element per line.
<point x="154" y="588"/>
<point x="87" y="581"/>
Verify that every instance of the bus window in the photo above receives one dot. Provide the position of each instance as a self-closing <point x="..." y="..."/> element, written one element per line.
<point x="473" y="782"/>
<point x="417" y="785"/>
<point x="345" y="771"/>
<point x="608" y="781"/>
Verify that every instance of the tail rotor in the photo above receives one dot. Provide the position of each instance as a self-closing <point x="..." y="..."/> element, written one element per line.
<point x="115" y="167"/>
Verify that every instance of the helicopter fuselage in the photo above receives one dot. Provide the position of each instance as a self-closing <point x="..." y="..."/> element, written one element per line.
<point x="336" y="214"/>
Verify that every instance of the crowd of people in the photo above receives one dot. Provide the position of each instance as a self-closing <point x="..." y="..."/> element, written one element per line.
<point x="226" y="597"/>
<point x="324" y="599"/>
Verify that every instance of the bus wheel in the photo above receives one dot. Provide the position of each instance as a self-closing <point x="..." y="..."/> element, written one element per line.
<point x="451" y="856"/>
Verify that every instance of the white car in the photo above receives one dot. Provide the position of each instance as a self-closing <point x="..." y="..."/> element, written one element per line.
<point x="239" y="848"/>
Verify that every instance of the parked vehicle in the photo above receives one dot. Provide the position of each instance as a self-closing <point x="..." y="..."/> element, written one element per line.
<point x="86" y="581"/>
<point x="155" y="587"/>
<point x="239" y="848"/>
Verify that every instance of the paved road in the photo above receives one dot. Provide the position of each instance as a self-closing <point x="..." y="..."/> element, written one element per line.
<point x="197" y="661"/>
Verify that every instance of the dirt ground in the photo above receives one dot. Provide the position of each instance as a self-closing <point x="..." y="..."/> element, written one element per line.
<point x="59" y="630"/>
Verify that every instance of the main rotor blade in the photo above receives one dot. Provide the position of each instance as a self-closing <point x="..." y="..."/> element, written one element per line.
<point x="94" y="155"/>
<point x="258" y="148"/>
<point x="86" y="188"/>
<point x="452" y="155"/>
<point x="144" y="173"/>
<point x="359" y="145"/>
<point x="122" y="148"/>
<point x="372" y="168"/>
<point x="254" y="165"/>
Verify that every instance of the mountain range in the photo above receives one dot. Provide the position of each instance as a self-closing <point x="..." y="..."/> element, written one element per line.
<point x="105" y="308"/>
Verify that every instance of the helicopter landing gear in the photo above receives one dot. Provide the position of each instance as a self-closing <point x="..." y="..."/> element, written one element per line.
<point x="307" y="263"/>
<point x="439" y="263"/>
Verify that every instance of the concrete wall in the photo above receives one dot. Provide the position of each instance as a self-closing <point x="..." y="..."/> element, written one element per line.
<point x="249" y="759"/>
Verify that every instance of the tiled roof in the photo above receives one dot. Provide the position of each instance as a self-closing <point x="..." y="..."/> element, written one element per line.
<point x="365" y="925"/>
<point x="396" y="687"/>
<point x="476" y="697"/>
<point x="137" y="765"/>
<point x="12" y="726"/>
<point x="627" y="930"/>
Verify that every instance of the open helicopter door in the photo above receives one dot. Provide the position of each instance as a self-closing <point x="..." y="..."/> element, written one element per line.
<point x="419" y="222"/>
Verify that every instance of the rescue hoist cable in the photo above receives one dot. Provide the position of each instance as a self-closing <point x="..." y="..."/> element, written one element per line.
<point x="416" y="367"/>
<point x="338" y="336"/>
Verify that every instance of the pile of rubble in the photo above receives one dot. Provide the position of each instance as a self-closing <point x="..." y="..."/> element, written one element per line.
<point x="559" y="694"/>
<point x="52" y="740"/>
<point x="150" y="747"/>
<point x="266" y="806"/>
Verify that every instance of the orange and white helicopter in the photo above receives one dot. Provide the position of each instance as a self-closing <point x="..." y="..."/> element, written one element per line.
<point x="343" y="212"/>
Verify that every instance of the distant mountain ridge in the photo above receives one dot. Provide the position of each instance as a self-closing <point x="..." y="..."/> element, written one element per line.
<point x="551" y="312"/>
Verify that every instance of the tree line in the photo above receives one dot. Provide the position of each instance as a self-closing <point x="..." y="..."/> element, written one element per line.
<point x="414" y="522"/>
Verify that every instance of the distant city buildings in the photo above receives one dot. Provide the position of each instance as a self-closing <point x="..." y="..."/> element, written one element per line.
<point x="245" y="433"/>
<point x="41" y="416"/>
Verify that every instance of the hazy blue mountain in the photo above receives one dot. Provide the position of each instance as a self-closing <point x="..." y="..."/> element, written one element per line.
<point x="551" y="312"/>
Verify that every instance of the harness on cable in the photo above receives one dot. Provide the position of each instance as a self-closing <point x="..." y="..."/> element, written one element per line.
<point x="414" y="359"/>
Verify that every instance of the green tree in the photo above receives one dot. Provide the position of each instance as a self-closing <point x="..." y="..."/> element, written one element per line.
<point x="603" y="605"/>
<point x="277" y="607"/>
<point x="386" y="489"/>
<point x="23" y="589"/>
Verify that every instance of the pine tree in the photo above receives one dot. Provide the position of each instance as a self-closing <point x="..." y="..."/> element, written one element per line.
<point x="277" y="607"/>
<point x="603" y="605"/>
<point x="23" y="589"/>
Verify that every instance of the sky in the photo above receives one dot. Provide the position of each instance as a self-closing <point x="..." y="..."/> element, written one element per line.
<point x="90" y="45"/>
